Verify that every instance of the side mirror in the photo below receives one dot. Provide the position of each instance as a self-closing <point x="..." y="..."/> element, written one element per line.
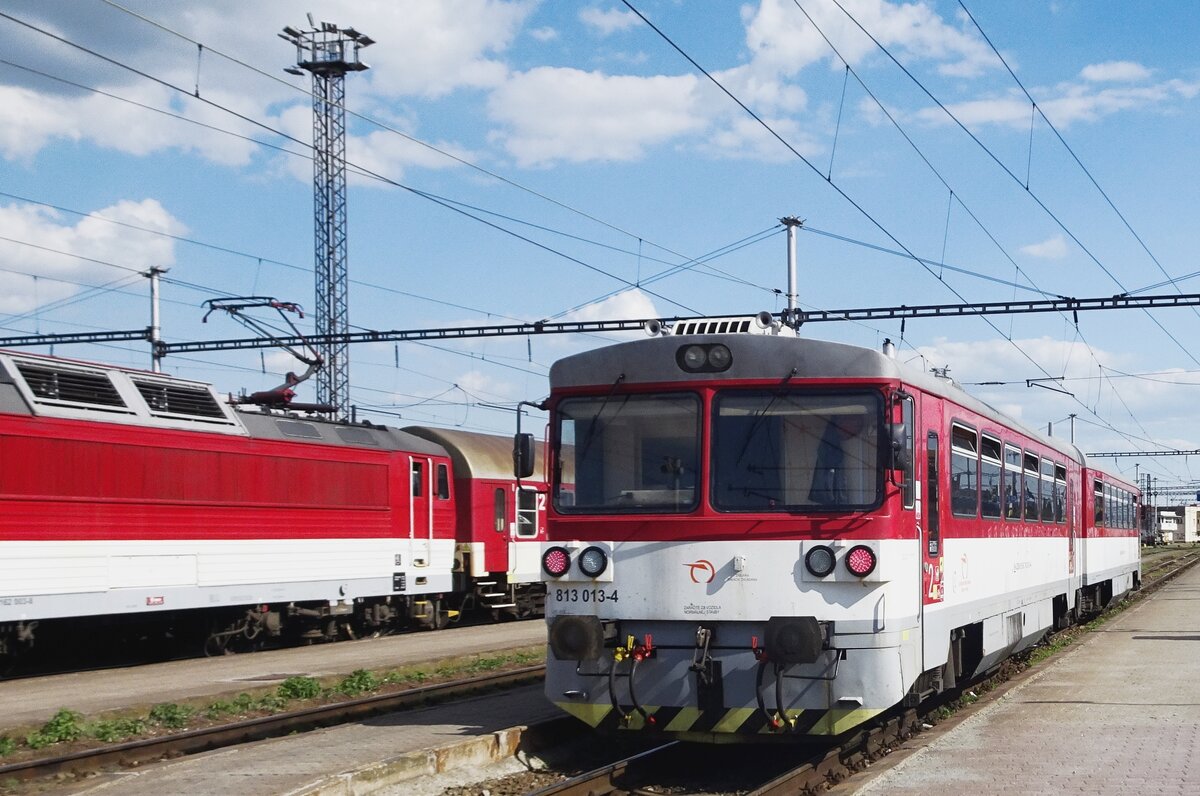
<point x="901" y="460"/>
<point x="523" y="455"/>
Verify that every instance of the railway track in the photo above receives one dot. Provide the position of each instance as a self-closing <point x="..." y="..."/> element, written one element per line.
<point x="202" y="740"/>
<point x="812" y="770"/>
<point x="769" y="770"/>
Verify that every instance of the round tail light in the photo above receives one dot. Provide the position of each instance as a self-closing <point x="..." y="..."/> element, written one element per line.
<point x="556" y="561"/>
<point x="819" y="560"/>
<point x="593" y="561"/>
<point x="861" y="560"/>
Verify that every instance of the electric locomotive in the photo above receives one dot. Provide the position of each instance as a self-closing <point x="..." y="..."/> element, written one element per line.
<point x="134" y="502"/>
<point x="755" y="535"/>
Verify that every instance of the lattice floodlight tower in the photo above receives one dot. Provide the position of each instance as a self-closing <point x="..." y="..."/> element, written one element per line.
<point x="328" y="53"/>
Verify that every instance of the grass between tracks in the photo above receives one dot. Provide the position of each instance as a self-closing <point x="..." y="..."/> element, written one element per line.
<point x="69" y="730"/>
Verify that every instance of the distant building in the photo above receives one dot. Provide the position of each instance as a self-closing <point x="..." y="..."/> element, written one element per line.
<point x="1191" y="525"/>
<point x="1168" y="523"/>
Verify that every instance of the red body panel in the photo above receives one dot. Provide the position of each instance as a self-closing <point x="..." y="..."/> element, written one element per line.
<point x="73" y="480"/>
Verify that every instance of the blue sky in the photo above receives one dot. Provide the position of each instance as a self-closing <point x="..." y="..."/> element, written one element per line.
<point x="577" y="126"/>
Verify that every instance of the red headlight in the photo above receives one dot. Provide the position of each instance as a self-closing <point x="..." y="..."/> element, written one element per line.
<point x="556" y="561"/>
<point x="861" y="560"/>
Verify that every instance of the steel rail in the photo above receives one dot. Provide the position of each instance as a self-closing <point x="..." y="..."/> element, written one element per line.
<point x="256" y="729"/>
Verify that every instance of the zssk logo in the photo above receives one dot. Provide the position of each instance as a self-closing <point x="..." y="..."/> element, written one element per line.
<point x="701" y="571"/>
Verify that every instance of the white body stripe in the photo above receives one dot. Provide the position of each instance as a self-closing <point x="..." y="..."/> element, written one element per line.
<point x="40" y="580"/>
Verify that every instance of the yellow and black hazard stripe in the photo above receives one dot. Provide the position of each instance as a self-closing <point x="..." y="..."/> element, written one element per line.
<point x="733" y="721"/>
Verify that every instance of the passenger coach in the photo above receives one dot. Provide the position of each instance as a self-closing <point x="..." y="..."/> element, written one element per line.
<point x="754" y="534"/>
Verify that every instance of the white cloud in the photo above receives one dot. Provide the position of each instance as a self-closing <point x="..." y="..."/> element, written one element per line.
<point x="544" y="34"/>
<point x="67" y="257"/>
<point x="781" y="37"/>
<point x="608" y="22"/>
<point x="422" y="49"/>
<point x="1161" y="405"/>
<point x="1063" y="105"/>
<point x="630" y="303"/>
<point x="549" y="114"/>
<point x="430" y="49"/>
<point x="1054" y="248"/>
<point x="1115" y="72"/>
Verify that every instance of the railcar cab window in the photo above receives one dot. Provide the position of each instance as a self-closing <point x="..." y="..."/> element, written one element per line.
<point x="796" y="450"/>
<point x="627" y="453"/>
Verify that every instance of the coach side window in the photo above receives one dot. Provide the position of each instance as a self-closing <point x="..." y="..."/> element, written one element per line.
<point x="1012" y="483"/>
<point x="417" y="471"/>
<point x="1098" y="502"/>
<point x="989" y="477"/>
<point x="964" y="469"/>
<point x="1047" y="490"/>
<point x="1032" y="481"/>
<point x="1060" y="493"/>
<point x="443" y="482"/>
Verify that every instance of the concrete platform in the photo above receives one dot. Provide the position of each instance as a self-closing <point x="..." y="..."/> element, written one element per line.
<point x="1118" y="713"/>
<point x="34" y="700"/>
<point x="381" y="755"/>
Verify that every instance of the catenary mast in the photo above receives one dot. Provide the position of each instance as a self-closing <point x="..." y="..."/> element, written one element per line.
<point x="328" y="53"/>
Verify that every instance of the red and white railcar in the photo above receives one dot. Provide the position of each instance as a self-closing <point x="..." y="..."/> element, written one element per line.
<point x="753" y="534"/>
<point x="127" y="493"/>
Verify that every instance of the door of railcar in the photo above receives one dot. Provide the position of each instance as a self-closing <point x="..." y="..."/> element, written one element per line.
<point x="930" y="451"/>
<point x="420" y="509"/>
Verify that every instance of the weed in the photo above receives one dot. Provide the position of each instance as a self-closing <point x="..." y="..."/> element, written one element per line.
<point x="272" y="703"/>
<point x="299" y="688"/>
<point x="7" y="745"/>
<point x="64" y="726"/>
<point x="169" y="714"/>
<point x="359" y="682"/>
<point x="113" y="730"/>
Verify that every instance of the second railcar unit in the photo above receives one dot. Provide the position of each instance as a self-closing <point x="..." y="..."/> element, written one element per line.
<point x="756" y="535"/>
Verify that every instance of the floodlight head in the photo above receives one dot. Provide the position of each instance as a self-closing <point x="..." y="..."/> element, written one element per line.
<point x="289" y="30"/>
<point x="291" y="70"/>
